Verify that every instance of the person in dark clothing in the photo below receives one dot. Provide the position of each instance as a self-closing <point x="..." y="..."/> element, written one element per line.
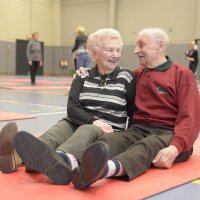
<point x="166" y="123"/>
<point x="34" y="56"/>
<point x="192" y="57"/>
<point x="99" y="103"/>
<point x="81" y="56"/>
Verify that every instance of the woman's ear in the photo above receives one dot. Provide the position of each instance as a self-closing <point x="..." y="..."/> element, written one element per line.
<point x="95" y="54"/>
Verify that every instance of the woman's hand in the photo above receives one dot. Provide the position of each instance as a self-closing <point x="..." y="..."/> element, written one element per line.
<point x="107" y="128"/>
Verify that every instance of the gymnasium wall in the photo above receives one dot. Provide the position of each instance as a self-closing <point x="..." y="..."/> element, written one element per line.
<point x="56" y="21"/>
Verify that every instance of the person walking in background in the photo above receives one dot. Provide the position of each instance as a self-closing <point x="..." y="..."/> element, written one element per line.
<point x="34" y="56"/>
<point x="192" y="57"/>
<point x="82" y="58"/>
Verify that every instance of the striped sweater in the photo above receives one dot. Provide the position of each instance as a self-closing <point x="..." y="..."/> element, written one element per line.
<point x="110" y="100"/>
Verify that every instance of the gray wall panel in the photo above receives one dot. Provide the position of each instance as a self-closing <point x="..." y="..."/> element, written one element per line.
<point x="54" y="54"/>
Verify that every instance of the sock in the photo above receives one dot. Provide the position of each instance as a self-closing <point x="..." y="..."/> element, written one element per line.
<point x="74" y="161"/>
<point x="69" y="158"/>
<point x="113" y="168"/>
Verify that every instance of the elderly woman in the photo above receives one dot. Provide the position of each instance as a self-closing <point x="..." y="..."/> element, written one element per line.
<point x="99" y="103"/>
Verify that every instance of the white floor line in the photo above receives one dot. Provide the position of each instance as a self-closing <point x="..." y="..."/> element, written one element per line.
<point x="32" y="104"/>
<point x="52" y="113"/>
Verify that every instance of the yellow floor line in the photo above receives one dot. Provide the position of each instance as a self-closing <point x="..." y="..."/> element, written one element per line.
<point x="34" y="111"/>
<point x="197" y="181"/>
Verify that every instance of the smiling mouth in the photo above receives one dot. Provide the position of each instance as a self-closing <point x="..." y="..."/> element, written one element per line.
<point x="140" y="56"/>
<point x="113" y="61"/>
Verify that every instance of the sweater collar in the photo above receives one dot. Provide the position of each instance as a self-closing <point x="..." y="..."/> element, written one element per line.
<point x="161" y="67"/>
<point x="113" y="75"/>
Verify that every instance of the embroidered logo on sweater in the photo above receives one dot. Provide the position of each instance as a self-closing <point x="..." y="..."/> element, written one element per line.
<point x="161" y="90"/>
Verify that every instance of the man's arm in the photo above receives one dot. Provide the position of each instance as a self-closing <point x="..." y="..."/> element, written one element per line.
<point x="130" y="98"/>
<point x="76" y="45"/>
<point x="28" y="56"/>
<point x="187" y="124"/>
<point x="82" y="71"/>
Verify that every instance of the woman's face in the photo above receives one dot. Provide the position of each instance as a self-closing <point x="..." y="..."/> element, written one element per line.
<point x="108" y="55"/>
<point x="36" y="36"/>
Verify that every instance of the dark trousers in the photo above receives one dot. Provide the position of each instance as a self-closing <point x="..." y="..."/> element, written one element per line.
<point x="136" y="147"/>
<point x="33" y="71"/>
<point x="70" y="138"/>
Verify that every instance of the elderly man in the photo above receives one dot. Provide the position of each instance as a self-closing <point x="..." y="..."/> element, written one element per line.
<point x="166" y="124"/>
<point x="99" y="103"/>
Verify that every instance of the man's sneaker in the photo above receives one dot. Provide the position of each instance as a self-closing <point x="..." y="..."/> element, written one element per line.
<point x="39" y="157"/>
<point x="93" y="166"/>
<point x="9" y="159"/>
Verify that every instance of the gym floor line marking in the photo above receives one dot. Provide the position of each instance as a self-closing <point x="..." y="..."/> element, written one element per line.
<point x="32" y="104"/>
<point x="5" y="101"/>
<point x="34" y="111"/>
<point x="58" y="93"/>
<point x="52" y="93"/>
<point x="57" y="108"/>
<point x="196" y="181"/>
<point x="43" y="105"/>
<point x="53" y="113"/>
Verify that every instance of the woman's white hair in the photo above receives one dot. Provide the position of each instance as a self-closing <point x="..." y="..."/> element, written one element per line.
<point x="157" y="34"/>
<point x="95" y="40"/>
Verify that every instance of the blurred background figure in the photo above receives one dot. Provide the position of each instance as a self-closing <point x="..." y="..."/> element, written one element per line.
<point x="74" y="60"/>
<point x="80" y="53"/>
<point x="192" y="56"/>
<point x="34" y="56"/>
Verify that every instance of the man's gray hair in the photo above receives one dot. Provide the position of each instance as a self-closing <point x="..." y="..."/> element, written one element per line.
<point x="95" y="40"/>
<point x="157" y="34"/>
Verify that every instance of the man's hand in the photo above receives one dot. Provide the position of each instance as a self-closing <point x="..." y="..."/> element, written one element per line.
<point x="105" y="127"/>
<point x="82" y="71"/>
<point x="165" y="157"/>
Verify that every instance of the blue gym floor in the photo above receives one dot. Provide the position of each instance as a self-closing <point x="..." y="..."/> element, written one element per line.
<point x="48" y="106"/>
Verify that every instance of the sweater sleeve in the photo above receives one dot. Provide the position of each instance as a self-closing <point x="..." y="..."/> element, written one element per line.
<point x="28" y="51"/>
<point x="76" y="45"/>
<point x="187" y="124"/>
<point x="130" y="98"/>
<point x="195" y="56"/>
<point x="75" y="110"/>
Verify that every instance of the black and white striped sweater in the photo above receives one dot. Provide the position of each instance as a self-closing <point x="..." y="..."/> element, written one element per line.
<point x="110" y="100"/>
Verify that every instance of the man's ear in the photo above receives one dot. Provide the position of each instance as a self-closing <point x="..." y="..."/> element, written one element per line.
<point x="161" y="46"/>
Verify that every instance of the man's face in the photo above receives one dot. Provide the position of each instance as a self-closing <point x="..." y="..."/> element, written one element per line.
<point x="147" y="51"/>
<point x="108" y="55"/>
